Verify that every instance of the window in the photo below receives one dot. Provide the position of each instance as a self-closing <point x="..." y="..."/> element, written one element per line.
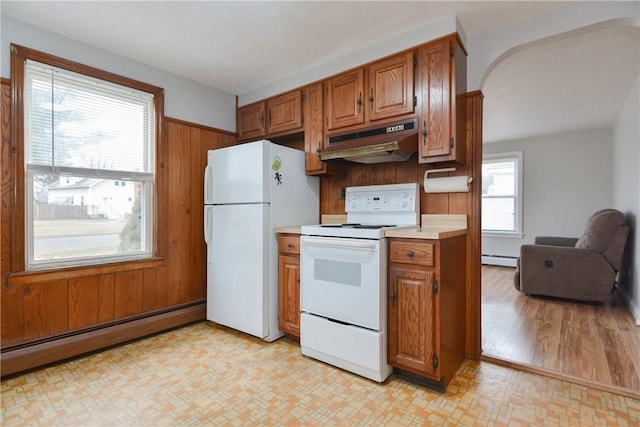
<point x="84" y="134"/>
<point x="502" y="194"/>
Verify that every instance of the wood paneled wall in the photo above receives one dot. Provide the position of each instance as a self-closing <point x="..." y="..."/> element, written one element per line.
<point x="7" y="311"/>
<point x="433" y="203"/>
<point x="392" y="173"/>
<point x="41" y="308"/>
<point x="44" y="304"/>
<point x="186" y="252"/>
<point x="473" y="205"/>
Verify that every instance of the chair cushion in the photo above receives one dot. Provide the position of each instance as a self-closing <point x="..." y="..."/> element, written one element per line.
<point x="600" y="230"/>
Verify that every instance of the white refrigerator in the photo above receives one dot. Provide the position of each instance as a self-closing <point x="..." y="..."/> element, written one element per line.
<point x="250" y="189"/>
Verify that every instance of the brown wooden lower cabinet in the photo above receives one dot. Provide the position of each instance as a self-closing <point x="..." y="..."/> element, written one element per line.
<point x="289" y="284"/>
<point x="411" y="319"/>
<point x="426" y="308"/>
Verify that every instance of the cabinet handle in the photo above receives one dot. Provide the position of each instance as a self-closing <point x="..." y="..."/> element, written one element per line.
<point x="359" y="102"/>
<point x="290" y="246"/>
<point x="424" y="132"/>
<point x="371" y="99"/>
<point x="261" y="119"/>
<point x="298" y="280"/>
<point x="410" y="254"/>
<point x="269" y="116"/>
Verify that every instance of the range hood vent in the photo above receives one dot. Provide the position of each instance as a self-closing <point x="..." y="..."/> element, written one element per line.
<point x="394" y="142"/>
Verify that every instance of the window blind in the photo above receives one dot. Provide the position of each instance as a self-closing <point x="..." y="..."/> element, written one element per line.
<point x="76" y="124"/>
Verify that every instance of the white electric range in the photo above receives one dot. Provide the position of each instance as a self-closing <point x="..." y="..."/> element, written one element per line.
<point x="344" y="277"/>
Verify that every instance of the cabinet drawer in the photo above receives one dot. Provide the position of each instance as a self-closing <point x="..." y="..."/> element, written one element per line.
<point x="289" y="244"/>
<point x="412" y="253"/>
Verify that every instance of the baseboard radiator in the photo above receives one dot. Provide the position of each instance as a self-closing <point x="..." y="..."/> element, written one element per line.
<point x="33" y="356"/>
<point x="501" y="260"/>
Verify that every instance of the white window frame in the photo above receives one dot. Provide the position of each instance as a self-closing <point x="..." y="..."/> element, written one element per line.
<point x="504" y="156"/>
<point x="147" y="206"/>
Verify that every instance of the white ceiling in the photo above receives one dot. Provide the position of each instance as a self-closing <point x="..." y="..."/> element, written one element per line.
<point x="574" y="83"/>
<point x="240" y="46"/>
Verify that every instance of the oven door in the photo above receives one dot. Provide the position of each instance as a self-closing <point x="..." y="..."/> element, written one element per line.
<point x="342" y="279"/>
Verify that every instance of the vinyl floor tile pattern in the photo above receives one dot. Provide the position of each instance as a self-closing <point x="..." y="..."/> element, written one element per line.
<point x="204" y="374"/>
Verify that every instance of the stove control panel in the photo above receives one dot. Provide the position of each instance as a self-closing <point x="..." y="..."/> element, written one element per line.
<point x="400" y="198"/>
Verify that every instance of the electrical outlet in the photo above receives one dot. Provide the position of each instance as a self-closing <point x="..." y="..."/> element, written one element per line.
<point x="343" y="193"/>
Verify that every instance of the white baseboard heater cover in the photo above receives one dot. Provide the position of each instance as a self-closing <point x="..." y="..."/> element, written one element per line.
<point x="501" y="260"/>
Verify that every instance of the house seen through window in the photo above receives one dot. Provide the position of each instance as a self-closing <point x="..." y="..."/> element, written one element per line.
<point x="89" y="165"/>
<point x="502" y="193"/>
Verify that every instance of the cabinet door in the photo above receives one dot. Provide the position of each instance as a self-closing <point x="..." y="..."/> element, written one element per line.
<point x="313" y="129"/>
<point x="390" y="86"/>
<point x="251" y="121"/>
<point x="435" y="80"/>
<point x="344" y="100"/>
<point x="411" y="323"/>
<point x="289" y="294"/>
<point x="284" y="112"/>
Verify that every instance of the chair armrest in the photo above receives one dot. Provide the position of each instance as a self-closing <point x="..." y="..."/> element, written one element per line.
<point x="562" y="254"/>
<point x="556" y="241"/>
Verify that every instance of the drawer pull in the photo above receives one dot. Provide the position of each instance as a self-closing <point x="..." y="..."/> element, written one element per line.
<point x="410" y="254"/>
<point x="290" y="246"/>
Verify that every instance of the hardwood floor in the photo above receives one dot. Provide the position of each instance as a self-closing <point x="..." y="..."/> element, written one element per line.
<point x="594" y="343"/>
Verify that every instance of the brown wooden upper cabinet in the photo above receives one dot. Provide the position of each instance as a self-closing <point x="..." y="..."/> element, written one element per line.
<point x="425" y="82"/>
<point x="442" y="78"/>
<point x="313" y="129"/>
<point x="251" y="121"/>
<point x="275" y="116"/>
<point x="381" y="90"/>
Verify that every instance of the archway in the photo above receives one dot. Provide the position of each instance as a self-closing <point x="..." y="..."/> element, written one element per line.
<point x="603" y="57"/>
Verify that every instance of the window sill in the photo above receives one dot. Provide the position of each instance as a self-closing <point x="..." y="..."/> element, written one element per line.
<point x="505" y="234"/>
<point x="26" y="277"/>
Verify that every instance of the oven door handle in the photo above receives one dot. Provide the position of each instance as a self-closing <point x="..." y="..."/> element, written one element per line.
<point x="338" y="243"/>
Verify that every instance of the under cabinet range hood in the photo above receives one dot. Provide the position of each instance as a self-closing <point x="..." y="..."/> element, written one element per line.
<point x="393" y="142"/>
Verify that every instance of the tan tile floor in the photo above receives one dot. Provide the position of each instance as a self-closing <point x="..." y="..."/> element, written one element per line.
<point x="208" y="375"/>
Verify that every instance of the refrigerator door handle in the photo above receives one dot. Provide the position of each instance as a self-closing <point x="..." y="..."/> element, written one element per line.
<point x="208" y="187"/>
<point x="208" y="221"/>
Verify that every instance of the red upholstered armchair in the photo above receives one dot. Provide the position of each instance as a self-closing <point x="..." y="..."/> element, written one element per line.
<point x="582" y="268"/>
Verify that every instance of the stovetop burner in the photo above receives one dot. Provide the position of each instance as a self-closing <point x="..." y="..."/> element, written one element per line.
<point x="356" y="225"/>
<point x="351" y="229"/>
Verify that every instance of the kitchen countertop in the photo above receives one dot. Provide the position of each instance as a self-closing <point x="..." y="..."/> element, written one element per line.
<point x="431" y="232"/>
<point x="287" y="230"/>
<point x="433" y="227"/>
